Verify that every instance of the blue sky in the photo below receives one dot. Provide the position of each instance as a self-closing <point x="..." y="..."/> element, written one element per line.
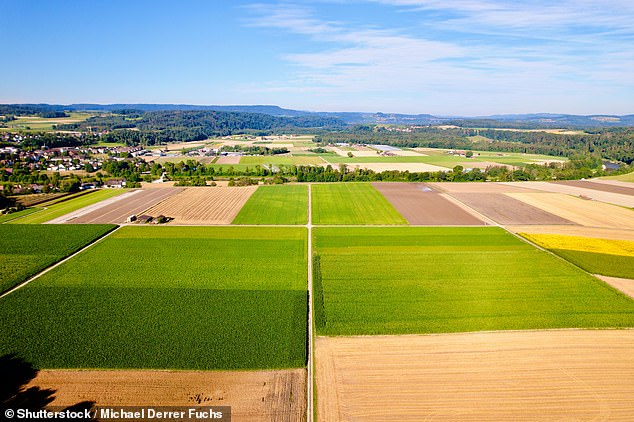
<point x="444" y="57"/>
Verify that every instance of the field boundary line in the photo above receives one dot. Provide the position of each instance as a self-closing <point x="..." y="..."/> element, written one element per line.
<point x="310" y="369"/>
<point x="57" y="264"/>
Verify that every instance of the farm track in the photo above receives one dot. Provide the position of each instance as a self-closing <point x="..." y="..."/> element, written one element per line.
<point x="118" y="211"/>
<point x="525" y="375"/>
<point x="204" y="206"/>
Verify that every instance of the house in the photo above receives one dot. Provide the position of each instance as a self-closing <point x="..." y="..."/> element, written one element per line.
<point x="114" y="183"/>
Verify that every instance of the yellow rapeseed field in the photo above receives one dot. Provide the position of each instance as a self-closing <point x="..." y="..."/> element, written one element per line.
<point x="583" y="244"/>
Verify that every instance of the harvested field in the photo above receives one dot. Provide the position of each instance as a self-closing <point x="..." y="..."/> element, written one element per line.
<point x="580" y="211"/>
<point x="626" y="285"/>
<point x="412" y="167"/>
<point x="252" y="395"/>
<point x="542" y="375"/>
<point x="615" y="182"/>
<point x="604" y="187"/>
<point x="471" y="187"/>
<point x="505" y="210"/>
<point x="201" y="206"/>
<point x="228" y="159"/>
<point x="421" y="205"/>
<point x="116" y="212"/>
<point x="585" y="193"/>
<point x="167" y="184"/>
<point x="367" y="152"/>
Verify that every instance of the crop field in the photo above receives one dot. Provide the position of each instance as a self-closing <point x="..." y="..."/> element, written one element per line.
<point x="27" y="249"/>
<point x="204" y="205"/>
<point x="232" y="297"/>
<point x="352" y="203"/>
<point x="613" y="258"/>
<point x="285" y="160"/>
<point x="580" y="211"/>
<point x="629" y="177"/>
<point x="422" y="205"/>
<point x="4" y="218"/>
<point x="50" y="212"/>
<point x="437" y="280"/>
<point x="579" y="375"/>
<point x="585" y="190"/>
<point x="277" y="204"/>
<point x="272" y="395"/>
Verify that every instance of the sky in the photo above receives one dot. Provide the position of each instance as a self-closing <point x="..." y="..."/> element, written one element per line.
<point x="442" y="57"/>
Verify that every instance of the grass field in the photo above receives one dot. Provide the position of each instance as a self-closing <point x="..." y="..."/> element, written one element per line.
<point x="8" y="217"/>
<point x="352" y="203"/>
<point x="27" y="249"/>
<point x="435" y="280"/>
<point x="47" y="213"/>
<point x="168" y="297"/>
<point x="278" y="204"/>
<point x="278" y="160"/>
<point x="629" y="177"/>
<point x="614" y="258"/>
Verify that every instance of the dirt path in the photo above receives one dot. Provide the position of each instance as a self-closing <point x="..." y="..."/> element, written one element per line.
<point x="252" y="395"/>
<point x="532" y="375"/>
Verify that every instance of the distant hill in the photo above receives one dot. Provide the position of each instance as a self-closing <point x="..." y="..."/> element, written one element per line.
<point x="520" y="121"/>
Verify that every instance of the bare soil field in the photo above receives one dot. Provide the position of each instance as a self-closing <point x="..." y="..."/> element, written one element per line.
<point x="252" y="395"/>
<point x="531" y="375"/>
<point x="505" y="210"/>
<point x="604" y="187"/>
<point x="623" y="284"/>
<point x="421" y="205"/>
<point x="412" y="167"/>
<point x="116" y="212"/>
<point x="595" y="232"/>
<point x="572" y="189"/>
<point x="204" y="206"/>
<point x="168" y="184"/>
<point x="486" y="187"/>
<point x="583" y="212"/>
<point x="228" y="159"/>
<point x="614" y="182"/>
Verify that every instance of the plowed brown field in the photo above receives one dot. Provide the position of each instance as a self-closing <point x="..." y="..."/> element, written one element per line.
<point x="542" y="375"/>
<point x="604" y="187"/>
<point x="201" y="206"/>
<point x="119" y="209"/>
<point x="252" y="395"/>
<point x="471" y="187"/>
<point x="583" y="191"/>
<point x="580" y="211"/>
<point x="421" y="205"/>
<point x="505" y="210"/>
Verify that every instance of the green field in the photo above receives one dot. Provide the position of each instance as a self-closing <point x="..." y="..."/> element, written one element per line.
<point x="277" y="204"/>
<point x="436" y="280"/>
<point x="47" y="213"/>
<point x="600" y="263"/>
<point x="352" y="203"/>
<point x="168" y="297"/>
<point x="628" y="177"/>
<point x="19" y="214"/>
<point x="27" y="249"/>
<point x="281" y="160"/>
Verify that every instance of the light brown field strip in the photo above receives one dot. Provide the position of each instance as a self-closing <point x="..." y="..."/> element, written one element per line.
<point x="579" y="191"/>
<point x="473" y="187"/>
<point x="623" y="284"/>
<point x="421" y="205"/>
<point x="200" y="206"/>
<point x="252" y="395"/>
<point x="580" y="211"/>
<point x="505" y="210"/>
<point x="595" y="232"/>
<point x="541" y="375"/>
<point x="117" y="212"/>
<point x="603" y="187"/>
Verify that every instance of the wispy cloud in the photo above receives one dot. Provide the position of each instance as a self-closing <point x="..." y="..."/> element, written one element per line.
<point x="462" y="50"/>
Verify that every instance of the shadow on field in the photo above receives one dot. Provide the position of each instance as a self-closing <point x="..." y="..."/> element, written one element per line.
<point x="15" y="374"/>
